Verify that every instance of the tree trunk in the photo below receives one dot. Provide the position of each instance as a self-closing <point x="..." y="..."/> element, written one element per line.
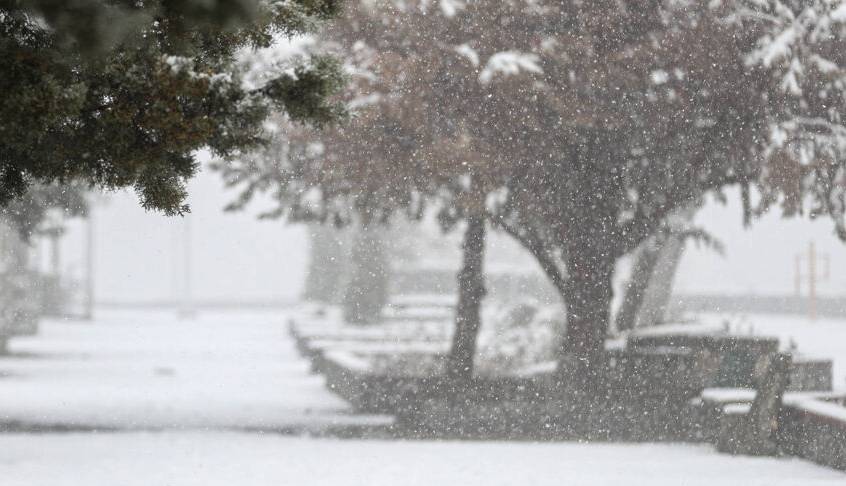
<point x="588" y="294"/>
<point x="471" y="291"/>
<point x="651" y="284"/>
<point x="656" y="299"/>
<point x="367" y="290"/>
<point x="641" y="276"/>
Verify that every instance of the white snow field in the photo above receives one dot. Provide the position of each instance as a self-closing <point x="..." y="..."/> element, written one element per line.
<point x="152" y="370"/>
<point x="224" y="400"/>
<point x="238" y="459"/>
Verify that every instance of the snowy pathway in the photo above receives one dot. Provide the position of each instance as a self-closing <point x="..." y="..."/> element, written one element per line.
<point x="148" y="370"/>
<point x="205" y="402"/>
<point x="233" y="459"/>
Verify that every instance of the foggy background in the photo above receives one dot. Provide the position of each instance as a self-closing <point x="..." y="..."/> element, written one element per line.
<point x="237" y="259"/>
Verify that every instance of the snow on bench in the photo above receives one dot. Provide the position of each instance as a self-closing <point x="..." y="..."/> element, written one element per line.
<point x="386" y="331"/>
<point x="398" y="347"/>
<point x="423" y="300"/>
<point x="820" y="406"/>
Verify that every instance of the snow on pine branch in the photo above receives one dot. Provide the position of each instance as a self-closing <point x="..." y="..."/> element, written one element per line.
<point x="187" y="66"/>
<point x="448" y="8"/>
<point x="451" y="7"/>
<point x="800" y="46"/>
<point x="796" y="40"/>
<point x="792" y="36"/>
<point x="509" y="63"/>
<point x="258" y="66"/>
<point x="468" y="53"/>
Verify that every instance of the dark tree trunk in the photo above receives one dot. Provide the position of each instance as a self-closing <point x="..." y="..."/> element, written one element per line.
<point x="471" y="291"/>
<point x="592" y="247"/>
<point x="588" y="294"/>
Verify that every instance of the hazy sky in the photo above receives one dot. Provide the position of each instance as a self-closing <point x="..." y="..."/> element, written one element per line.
<point x="759" y="259"/>
<point x="233" y="256"/>
<point x="236" y="257"/>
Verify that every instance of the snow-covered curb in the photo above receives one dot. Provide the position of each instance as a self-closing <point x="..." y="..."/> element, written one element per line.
<point x="815" y="429"/>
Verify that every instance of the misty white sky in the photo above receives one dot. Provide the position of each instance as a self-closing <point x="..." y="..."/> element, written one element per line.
<point x="236" y="257"/>
<point x="759" y="259"/>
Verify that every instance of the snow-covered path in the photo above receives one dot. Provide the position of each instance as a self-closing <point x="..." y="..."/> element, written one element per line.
<point x="238" y="459"/>
<point x="151" y="370"/>
<point x="205" y="402"/>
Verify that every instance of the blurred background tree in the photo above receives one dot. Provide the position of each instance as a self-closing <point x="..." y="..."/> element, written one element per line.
<point x="580" y="128"/>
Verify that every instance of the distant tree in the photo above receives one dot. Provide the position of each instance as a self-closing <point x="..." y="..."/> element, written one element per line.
<point x="366" y="289"/>
<point x="23" y="290"/>
<point x="27" y="213"/>
<point x="122" y="94"/>
<point x="327" y="264"/>
<point x="406" y="151"/>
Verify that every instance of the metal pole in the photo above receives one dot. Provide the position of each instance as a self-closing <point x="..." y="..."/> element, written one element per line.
<point x="175" y="268"/>
<point x="826" y="267"/>
<point x="186" y="304"/>
<point x="812" y="281"/>
<point x="797" y="276"/>
<point x="88" y="313"/>
<point x="55" y="254"/>
<point x="186" y="256"/>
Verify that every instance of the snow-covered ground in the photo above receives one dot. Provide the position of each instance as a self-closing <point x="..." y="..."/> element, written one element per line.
<point x="152" y="370"/>
<point x="237" y="459"/>
<point x="214" y="401"/>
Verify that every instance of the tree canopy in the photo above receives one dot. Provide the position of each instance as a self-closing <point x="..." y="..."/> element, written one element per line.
<point x="123" y="94"/>
<point x="589" y="123"/>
